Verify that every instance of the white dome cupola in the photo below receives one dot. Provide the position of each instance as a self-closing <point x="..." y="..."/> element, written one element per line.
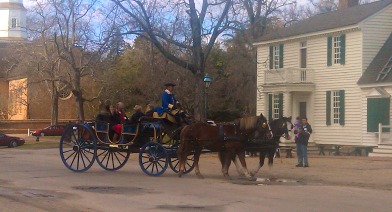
<point x="12" y="20"/>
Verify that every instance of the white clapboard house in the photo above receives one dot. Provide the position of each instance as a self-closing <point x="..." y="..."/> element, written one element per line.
<point x="334" y="68"/>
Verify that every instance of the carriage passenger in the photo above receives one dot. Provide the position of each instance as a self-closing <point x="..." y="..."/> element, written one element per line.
<point x="105" y="115"/>
<point x="150" y="110"/>
<point x="119" y="118"/>
<point x="137" y="115"/>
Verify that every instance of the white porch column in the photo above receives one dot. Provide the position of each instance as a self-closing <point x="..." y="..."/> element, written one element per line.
<point x="287" y="104"/>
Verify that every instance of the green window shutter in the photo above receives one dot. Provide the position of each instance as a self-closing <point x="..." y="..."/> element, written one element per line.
<point x="378" y="111"/>
<point x="329" y="51"/>
<point x="281" y="56"/>
<point x="341" y="105"/>
<point x="342" y="49"/>
<point x="270" y="107"/>
<point x="328" y="106"/>
<point x="280" y="105"/>
<point x="271" y="57"/>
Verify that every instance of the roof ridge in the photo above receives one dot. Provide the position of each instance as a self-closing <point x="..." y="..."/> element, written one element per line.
<point x="329" y="20"/>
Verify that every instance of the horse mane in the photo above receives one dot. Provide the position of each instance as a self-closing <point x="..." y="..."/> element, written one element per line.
<point x="247" y="123"/>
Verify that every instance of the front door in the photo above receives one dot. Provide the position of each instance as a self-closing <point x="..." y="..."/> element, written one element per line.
<point x="302" y="109"/>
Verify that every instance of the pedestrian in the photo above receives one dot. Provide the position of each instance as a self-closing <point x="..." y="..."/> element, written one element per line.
<point x="302" y="143"/>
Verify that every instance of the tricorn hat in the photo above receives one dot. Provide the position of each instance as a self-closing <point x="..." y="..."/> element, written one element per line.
<point x="169" y="84"/>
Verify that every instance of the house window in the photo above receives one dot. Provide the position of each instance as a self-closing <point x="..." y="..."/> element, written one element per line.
<point x="276" y="57"/>
<point x="275" y="110"/>
<point x="303" y="54"/>
<point x="335" y="107"/>
<point x="335" y="113"/>
<point x="336" y="50"/>
<point x="276" y="107"/>
<point x="13" y="22"/>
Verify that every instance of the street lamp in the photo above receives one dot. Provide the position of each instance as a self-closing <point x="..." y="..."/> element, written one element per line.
<point x="207" y="82"/>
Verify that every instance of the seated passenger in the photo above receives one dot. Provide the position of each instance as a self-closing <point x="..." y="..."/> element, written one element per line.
<point x="119" y="118"/>
<point x="105" y="115"/>
<point x="137" y="115"/>
<point x="150" y="110"/>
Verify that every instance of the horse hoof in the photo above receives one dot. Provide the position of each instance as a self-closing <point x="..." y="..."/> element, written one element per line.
<point x="252" y="178"/>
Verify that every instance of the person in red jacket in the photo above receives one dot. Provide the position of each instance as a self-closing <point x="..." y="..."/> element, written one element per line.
<point x="119" y="118"/>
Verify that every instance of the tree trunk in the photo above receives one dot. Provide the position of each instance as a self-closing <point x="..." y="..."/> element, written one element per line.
<point x="79" y="97"/>
<point x="55" y="106"/>
<point x="199" y="111"/>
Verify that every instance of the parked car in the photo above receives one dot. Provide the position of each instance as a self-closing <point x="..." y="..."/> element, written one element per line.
<point x="55" y="130"/>
<point x="10" y="141"/>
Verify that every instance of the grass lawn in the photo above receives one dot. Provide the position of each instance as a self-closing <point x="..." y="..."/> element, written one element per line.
<point x="46" y="142"/>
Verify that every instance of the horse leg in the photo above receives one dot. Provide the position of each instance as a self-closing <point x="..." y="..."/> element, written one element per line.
<point x="181" y="162"/>
<point x="241" y="158"/>
<point x="238" y="166"/>
<point x="221" y="159"/>
<point x="197" y="170"/>
<point x="271" y="155"/>
<point x="263" y="153"/>
<point x="227" y="160"/>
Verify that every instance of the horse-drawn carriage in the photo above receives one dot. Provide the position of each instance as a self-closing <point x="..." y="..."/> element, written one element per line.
<point x="154" y="139"/>
<point x="159" y="140"/>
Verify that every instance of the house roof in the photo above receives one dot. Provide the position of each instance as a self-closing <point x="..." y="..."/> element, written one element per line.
<point x="330" y="20"/>
<point x="377" y="65"/>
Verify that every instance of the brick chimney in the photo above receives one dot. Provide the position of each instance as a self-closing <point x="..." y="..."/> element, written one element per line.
<point x="343" y="4"/>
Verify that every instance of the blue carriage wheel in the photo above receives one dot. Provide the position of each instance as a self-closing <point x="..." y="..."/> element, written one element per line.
<point x="174" y="163"/>
<point x="153" y="159"/>
<point x="111" y="158"/>
<point x="78" y="148"/>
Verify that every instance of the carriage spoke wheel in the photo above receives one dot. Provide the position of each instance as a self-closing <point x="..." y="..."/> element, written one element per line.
<point x="174" y="162"/>
<point x="153" y="159"/>
<point x="111" y="159"/>
<point x="78" y="148"/>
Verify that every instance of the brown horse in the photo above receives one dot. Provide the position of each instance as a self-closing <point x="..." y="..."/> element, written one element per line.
<point x="267" y="147"/>
<point x="229" y="139"/>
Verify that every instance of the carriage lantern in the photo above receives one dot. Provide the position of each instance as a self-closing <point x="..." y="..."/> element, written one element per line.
<point x="207" y="81"/>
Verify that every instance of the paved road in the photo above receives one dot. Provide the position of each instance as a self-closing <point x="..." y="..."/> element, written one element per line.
<point x="37" y="180"/>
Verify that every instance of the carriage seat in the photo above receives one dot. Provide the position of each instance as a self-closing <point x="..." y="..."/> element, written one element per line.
<point x="166" y="116"/>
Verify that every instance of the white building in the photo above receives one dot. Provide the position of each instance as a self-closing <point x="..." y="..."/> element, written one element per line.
<point x="12" y="20"/>
<point x="313" y="69"/>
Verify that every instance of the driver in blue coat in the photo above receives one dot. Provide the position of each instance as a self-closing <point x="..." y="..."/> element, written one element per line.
<point x="170" y="104"/>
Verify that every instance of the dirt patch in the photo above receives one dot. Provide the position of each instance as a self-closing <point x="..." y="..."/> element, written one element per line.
<point x="331" y="170"/>
<point x="111" y="189"/>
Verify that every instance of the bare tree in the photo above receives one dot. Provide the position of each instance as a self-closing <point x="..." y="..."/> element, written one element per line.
<point x="184" y="31"/>
<point x="72" y="42"/>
